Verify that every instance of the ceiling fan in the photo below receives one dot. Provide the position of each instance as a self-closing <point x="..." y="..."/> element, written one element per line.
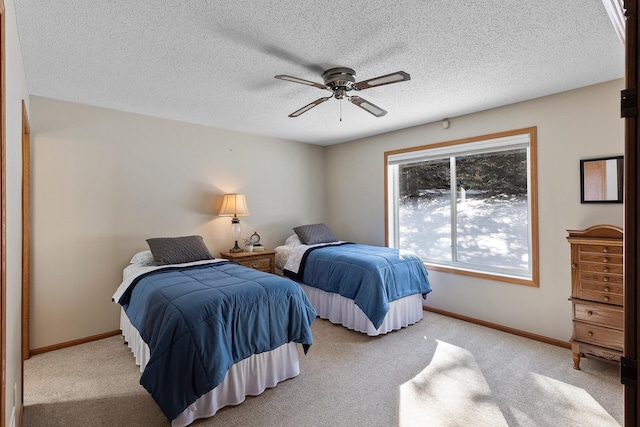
<point x="341" y="80"/>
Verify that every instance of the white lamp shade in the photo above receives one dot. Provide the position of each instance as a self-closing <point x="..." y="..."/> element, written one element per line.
<point x="234" y="205"/>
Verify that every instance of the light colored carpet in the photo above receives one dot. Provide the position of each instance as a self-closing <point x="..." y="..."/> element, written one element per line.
<point x="438" y="372"/>
<point x="453" y="383"/>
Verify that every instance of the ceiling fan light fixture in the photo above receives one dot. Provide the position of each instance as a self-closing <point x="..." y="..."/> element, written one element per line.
<point x="339" y="93"/>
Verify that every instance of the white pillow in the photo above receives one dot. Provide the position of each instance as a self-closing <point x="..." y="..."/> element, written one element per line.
<point x="293" y="240"/>
<point x="143" y="258"/>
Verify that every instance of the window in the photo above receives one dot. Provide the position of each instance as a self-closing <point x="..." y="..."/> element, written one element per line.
<point x="468" y="206"/>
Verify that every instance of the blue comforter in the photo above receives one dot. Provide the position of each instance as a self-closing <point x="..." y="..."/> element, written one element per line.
<point x="200" y="320"/>
<point x="372" y="276"/>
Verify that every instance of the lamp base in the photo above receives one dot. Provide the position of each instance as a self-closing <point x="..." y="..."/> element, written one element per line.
<point x="235" y="249"/>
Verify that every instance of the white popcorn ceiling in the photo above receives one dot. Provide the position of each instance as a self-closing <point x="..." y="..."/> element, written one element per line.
<point x="213" y="62"/>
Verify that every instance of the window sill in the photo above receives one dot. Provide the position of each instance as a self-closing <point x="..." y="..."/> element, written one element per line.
<point x="482" y="275"/>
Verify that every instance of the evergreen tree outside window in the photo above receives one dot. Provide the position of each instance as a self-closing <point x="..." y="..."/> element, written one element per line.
<point x="468" y="206"/>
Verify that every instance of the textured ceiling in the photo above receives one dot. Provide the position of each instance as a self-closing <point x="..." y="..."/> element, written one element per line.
<point x="213" y="62"/>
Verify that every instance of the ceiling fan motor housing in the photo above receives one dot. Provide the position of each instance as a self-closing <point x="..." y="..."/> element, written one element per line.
<point x="340" y="80"/>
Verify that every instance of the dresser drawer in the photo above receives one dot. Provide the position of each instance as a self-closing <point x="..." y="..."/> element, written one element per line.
<point x="601" y="249"/>
<point x="262" y="264"/>
<point x="598" y="335"/>
<point x="604" y="297"/>
<point x="604" y="288"/>
<point x="601" y="258"/>
<point x="603" y="278"/>
<point x="610" y="317"/>
<point x="602" y="268"/>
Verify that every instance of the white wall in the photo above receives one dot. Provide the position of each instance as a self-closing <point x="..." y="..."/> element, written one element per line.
<point x="16" y="91"/>
<point x="103" y="181"/>
<point x="573" y="125"/>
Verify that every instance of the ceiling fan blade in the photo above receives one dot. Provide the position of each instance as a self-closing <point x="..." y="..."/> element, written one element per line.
<point x="398" y="76"/>
<point x="308" y="107"/>
<point x="301" y="81"/>
<point x="367" y="106"/>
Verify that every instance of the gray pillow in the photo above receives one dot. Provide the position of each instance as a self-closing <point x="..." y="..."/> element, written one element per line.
<point x="312" y="234"/>
<point x="177" y="250"/>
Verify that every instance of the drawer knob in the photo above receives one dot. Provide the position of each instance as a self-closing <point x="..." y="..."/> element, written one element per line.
<point x="605" y="279"/>
<point x="255" y="265"/>
<point x="590" y="333"/>
<point x="606" y="269"/>
<point x="605" y="259"/>
<point x="589" y="313"/>
<point x="605" y="250"/>
<point x="606" y="289"/>
<point x="574" y="266"/>
<point x="606" y="299"/>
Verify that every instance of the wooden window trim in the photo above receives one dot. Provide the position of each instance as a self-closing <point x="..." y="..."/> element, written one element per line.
<point x="533" y="191"/>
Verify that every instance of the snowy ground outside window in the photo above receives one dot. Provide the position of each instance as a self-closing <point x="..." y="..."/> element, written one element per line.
<point x="492" y="231"/>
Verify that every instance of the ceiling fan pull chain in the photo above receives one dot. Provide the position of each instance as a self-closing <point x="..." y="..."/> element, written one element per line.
<point x="340" y="109"/>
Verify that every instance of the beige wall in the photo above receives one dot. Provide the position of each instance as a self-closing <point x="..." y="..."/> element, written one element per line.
<point x="573" y="125"/>
<point x="16" y="92"/>
<point x="103" y="181"/>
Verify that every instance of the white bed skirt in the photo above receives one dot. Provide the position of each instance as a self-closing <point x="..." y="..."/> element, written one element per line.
<point x="249" y="377"/>
<point x="344" y="311"/>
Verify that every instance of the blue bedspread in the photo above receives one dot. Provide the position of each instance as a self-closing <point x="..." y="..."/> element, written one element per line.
<point x="372" y="276"/>
<point x="200" y="320"/>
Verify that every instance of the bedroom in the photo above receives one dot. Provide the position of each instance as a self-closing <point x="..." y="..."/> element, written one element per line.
<point x="100" y="188"/>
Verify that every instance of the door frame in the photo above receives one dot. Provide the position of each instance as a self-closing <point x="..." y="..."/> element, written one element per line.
<point x="26" y="227"/>
<point x="3" y="221"/>
<point x="631" y="211"/>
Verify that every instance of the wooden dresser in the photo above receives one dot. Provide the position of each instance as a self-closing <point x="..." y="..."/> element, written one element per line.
<point x="597" y="292"/>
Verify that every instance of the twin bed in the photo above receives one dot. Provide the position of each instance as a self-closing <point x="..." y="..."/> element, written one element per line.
<point x="370" y="289"/>
<point x="207" y="332"/>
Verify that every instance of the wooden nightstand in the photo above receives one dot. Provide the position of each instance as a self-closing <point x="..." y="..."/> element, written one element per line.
<point x="262" y="260"/>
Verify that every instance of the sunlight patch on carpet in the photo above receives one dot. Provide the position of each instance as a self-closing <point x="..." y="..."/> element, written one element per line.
<point x="571" y="403"/>
<point x="450" y="391"/>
